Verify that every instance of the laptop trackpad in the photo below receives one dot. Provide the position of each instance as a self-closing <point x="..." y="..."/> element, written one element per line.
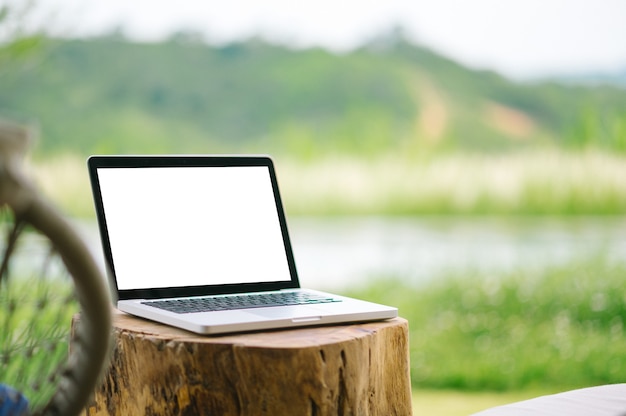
<point x="289" y="312"/>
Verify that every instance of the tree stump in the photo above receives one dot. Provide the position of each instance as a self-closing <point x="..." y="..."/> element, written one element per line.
<point x="355" y="369"/>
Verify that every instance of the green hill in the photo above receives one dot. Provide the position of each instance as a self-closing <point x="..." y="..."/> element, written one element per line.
<point x="108" y="95"/>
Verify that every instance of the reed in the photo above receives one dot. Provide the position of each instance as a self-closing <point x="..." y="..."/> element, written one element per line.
<point x="548" y="182"/>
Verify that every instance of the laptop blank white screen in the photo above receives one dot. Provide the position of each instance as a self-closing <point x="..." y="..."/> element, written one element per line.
<point x="192" y="226"/>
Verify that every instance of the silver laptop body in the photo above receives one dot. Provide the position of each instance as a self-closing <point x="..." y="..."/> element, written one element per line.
<point x="176" y="230"/>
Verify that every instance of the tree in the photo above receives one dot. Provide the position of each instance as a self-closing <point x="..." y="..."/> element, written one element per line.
<point x="19" y="37"/>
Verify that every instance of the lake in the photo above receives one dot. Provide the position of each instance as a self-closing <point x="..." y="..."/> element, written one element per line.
<point x="335" y="253"/>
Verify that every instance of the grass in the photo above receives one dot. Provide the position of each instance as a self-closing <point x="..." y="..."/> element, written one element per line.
<point x="476" y="341"/>
<point x="37" y="303"/>
<point x="461" y="403"/>
<point x="548" y="182"/>
<point x="557" y="329"/>
<point x="36" y="318"/>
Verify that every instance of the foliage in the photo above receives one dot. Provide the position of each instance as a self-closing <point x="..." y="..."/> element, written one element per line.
<point x="16" y="45"/>
<point x="558" y="328"/>
<point x="108" y="95"/>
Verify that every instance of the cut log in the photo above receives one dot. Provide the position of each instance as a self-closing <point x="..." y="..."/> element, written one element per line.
<point x="356" y="369"/>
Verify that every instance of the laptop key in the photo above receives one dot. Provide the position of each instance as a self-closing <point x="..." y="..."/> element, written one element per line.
<point x="222" y="303"/>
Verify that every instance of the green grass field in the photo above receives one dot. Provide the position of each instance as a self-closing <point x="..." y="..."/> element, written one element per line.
<point x="547" y="182"/>
<point x="553" y="329"/>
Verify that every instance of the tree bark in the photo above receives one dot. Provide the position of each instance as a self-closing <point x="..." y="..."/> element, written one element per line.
<point x="356" y="369"/>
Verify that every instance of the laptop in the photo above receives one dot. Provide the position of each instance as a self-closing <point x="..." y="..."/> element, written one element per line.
<point x="201" y="243"/>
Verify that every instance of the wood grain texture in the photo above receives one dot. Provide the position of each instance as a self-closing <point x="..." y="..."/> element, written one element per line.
<point x="357" y="369"/>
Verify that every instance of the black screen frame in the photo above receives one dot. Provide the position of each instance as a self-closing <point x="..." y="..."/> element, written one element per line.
<point x="97" y="162"/>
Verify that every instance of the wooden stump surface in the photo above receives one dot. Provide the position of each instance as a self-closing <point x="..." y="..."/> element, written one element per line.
<point x="355" y="369"/>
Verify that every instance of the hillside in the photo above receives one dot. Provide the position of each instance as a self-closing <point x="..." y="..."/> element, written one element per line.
<point x="107" y="95"/>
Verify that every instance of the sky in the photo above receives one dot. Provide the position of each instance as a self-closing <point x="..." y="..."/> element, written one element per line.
<point x="518" y="38"/>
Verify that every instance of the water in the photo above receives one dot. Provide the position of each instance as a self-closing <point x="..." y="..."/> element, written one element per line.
<point x="335" y="253"/>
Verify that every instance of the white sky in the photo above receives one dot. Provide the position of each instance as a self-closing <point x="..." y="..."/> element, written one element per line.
<point x="520" y="38"/>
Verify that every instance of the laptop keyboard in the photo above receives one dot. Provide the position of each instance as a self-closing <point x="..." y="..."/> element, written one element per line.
<point x="224" y="303"/>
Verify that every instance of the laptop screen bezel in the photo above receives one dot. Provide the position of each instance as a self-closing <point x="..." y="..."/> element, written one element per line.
<point x="97" y="162"/>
